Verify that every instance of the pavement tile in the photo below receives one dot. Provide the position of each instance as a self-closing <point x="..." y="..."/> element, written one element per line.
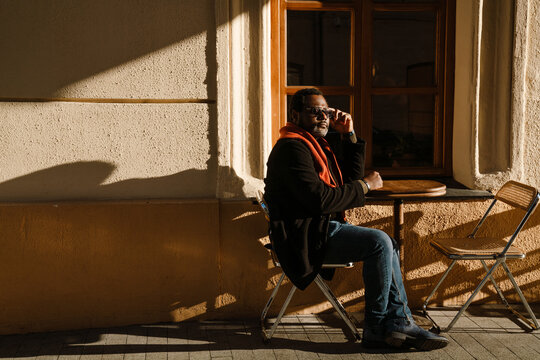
<point x="483" y="332"/>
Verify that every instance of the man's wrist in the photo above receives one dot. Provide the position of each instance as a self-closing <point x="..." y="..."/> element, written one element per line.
<point x="351" y="136"/>
<point x="365" y="186"/>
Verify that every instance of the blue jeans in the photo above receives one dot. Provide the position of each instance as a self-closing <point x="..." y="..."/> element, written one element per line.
<point x="385" y="298"/>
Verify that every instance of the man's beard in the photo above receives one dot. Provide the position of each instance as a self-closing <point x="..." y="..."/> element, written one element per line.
<point x="319" y="131"/>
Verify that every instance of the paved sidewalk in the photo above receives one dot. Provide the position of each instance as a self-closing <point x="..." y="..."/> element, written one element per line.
<point x="483" y="333"/>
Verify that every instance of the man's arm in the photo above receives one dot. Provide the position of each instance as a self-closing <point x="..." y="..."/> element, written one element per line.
<point x="352" y="152"/>
<point x="350" y="156"/>
<point x="294" y="165"/>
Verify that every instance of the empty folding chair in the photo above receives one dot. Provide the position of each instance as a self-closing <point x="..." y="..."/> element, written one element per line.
<point x="518" y="196"/>
<point x="268" y="333"/>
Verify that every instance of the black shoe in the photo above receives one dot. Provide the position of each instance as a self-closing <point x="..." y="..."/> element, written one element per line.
<point x="373" y="338"/>
<point x="403" y="333"/>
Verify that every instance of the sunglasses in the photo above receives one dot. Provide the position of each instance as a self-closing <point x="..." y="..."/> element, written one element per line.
<point x="320" y="112"/>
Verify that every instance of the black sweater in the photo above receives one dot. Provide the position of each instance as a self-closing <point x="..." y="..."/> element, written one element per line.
<point x="301" y="204"/>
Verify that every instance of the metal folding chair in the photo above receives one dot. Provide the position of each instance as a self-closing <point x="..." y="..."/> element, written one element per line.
<point x="517" y="195"/>
<point x="268" y="333"/>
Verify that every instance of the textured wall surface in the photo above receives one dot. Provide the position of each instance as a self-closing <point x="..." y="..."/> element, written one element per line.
<point x="88" y="151"/>
<point x="496" y="131"/>
<point x="99" y="48"/>
<point x="96" y="55"/>
<point x="94" y="264"/>
<point x="71" y="264"/>
<point x="423" y="266"/>
<point x="532" y="86"/>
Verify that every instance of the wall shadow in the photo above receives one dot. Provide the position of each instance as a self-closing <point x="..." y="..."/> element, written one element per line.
<point x="49" y="46"/>
<point x="83" y="180"/>
<point x="46" y="46"/>
<point x="235" y="260"/>
<point x="462" y="280"/>
<point x="421" y="262"/>
<point x="199" y="339"/>
<point x="243" y="266"/>
<point x="92" y="261"/>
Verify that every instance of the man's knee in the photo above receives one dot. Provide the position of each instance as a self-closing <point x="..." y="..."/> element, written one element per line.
<point x="381" y="240"/>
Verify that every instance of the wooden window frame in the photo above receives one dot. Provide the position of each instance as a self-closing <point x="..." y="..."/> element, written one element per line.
<point x="360" y="87"/>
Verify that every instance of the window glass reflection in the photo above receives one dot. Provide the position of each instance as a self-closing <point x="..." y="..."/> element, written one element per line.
<point x="403" y="49"/>
<point x="318" y="47"/>
<point x="403" y="130"/>
<point x="341" y="102"/>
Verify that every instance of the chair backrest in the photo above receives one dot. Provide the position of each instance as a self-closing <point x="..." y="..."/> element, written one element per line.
<point x="266" y="211"/>
<point x="518" y="195"/>
<point x="263" y="205"/>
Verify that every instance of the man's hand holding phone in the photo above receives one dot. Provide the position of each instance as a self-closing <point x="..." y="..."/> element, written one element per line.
<point x="342" y="122"/>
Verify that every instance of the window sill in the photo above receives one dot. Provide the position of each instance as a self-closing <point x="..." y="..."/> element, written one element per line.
<point x="455" y="191"/>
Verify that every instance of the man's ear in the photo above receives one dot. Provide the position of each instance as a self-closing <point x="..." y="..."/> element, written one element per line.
<point x="295" y="117"/>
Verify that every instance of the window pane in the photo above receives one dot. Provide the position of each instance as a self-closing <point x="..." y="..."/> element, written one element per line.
<point x="403" y="49"/>
<point x="403" y="130"/>
<point x="341" y="102"/>
<point x="318" y="47"/>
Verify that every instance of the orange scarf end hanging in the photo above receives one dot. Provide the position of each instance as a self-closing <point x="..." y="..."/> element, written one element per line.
<point x="316" y="147"/>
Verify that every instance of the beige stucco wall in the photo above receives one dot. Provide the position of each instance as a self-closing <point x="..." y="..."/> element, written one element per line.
<point x="496" y="92"/>
<point x="74" y="265"/>
<point x="532" y="105"/>
<point x="82" y="265"/>
<point x="57" y="150"/>
<point x="95" y="55"/>
<point x="121" y="49"/>
<point x="139" y="100"/>
<point x="217" y="51"/>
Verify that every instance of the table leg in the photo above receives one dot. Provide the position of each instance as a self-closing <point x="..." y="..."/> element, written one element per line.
<point x="399" y="220"/>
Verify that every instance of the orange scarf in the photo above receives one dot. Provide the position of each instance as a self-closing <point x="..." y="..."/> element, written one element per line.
<point x="292" y="131"/>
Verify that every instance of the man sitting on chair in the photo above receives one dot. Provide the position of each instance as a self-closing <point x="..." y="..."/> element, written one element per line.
<point x="312" y="179"/>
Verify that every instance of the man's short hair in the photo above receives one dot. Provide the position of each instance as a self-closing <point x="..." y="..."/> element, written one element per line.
<point x="299" y="98"/>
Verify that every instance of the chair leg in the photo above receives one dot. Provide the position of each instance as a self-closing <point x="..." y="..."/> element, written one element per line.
<point x="271" y="299"/>
<point x="473" y="295"/>
<point x="497" y="288"/>
<point x="505" y="302"/>
<point x="534" y="323"/>
<point x="436" y="327"/>
<point x="267" y="335"/>
<point x="337" y="305"/>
